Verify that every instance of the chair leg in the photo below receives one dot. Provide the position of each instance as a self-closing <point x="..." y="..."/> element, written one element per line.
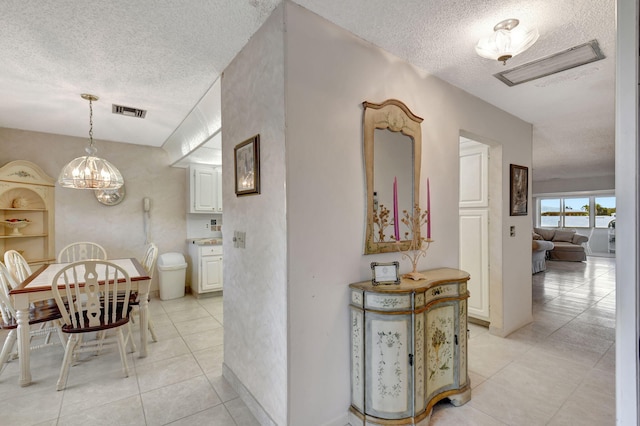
<point x="9" y="343"/>
<point x="129" y="338"/>
<point x="152" y="329"/>
<point x="72" y="343"/>
<point x="123" y="353"/>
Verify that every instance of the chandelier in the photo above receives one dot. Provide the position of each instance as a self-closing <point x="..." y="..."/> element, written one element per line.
<point x="90" y="172"/>
<point x="508" y="40"/>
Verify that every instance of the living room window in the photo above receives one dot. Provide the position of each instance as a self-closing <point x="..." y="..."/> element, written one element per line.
<point x="591" y="211"/>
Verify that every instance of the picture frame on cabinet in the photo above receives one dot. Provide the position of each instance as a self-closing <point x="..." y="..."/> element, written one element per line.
<point x="518" y="190"/>
<point x="247" y="166"/>
<point x="385" y="273"/>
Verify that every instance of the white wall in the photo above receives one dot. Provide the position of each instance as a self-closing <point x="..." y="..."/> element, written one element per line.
<point x="329" y="73"/>
<point x="255" y="278"/>
<point x="599" y="183"/>
<point x="628" y="216"/>
<point x="119" y="228"/>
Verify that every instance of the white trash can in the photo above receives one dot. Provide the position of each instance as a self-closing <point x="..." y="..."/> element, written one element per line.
<point x="172" y="270"/>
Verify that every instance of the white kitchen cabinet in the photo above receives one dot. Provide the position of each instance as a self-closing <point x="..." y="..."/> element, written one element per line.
<point x="408" y="348"/>
<point x="205" y="189"/>
<point x="206" y="275"/>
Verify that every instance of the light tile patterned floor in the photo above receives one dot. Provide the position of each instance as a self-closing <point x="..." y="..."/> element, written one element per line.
<point x="179" y="383"/>
<point x="558" y="370"/>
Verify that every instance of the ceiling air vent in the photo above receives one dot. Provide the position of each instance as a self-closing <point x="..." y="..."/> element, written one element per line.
<point x="128" y="111"/>
<point x="570" y="58"/>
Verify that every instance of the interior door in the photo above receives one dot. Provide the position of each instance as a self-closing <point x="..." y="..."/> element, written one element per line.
<point x="474" y="224"/>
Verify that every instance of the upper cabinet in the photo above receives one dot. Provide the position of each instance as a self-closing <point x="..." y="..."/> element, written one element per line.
<point x="27" y="212"/>
<point x="205" y="189"/>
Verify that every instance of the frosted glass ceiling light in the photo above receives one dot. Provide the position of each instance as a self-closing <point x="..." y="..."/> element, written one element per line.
<point x="508" y="40"/>
<point x="90" y="172"/>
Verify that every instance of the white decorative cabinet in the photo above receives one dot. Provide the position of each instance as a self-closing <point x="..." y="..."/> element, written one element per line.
<point x="27" y="192"/>
<point x="206" y="269"/>
<point x="205" y="189"/>
<point x="408" y="348"/>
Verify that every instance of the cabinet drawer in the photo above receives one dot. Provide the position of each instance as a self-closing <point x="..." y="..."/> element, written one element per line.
<point x="210" y="250"/>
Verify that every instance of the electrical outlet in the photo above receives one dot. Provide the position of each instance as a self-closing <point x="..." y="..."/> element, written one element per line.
<point x="206" y="226"/>
<point x="512" y="231"/>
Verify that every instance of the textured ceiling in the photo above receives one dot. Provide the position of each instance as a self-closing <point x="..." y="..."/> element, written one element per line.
<point x="162" y="56"/>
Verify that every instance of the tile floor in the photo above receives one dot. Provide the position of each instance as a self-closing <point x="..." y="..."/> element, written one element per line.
<point x="559" y="370"/>
<point x="179" y="383"/>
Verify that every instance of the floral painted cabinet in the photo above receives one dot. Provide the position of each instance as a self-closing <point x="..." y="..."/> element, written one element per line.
<point x="408" y="348"/>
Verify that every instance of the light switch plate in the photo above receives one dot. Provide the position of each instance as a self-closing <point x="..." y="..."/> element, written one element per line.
<point x="239" y="239"/>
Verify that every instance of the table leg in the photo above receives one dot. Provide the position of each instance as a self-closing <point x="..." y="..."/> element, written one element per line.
<point x="144" y="319"/>
<point x="24" y="344"/>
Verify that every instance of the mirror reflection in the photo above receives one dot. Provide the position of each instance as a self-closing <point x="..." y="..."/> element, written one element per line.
<point x="392" y="151"/>
<point x="392" y="161"/>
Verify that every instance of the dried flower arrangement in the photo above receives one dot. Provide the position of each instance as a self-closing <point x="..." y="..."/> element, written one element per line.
<point x="381" y="220"/>
<point x="418" y="245"/>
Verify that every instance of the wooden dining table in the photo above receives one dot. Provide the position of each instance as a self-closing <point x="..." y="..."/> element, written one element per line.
<point x="37" y="287"/>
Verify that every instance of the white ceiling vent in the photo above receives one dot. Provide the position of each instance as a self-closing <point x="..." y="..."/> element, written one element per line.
<point x="128" y="111"/>
<point x="570" y="58"/>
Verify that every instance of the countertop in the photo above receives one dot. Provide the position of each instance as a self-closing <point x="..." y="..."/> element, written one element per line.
<point x="205" y="241"/>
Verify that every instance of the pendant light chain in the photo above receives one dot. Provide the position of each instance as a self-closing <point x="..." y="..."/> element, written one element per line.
<point x="91" y="122"/>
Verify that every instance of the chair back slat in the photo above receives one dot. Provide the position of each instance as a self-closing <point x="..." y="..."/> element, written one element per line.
<point x="150" y="258"/>
<point x="90" y="305"/>
<point x="17" y="265"/>
<point x="7" y="282"/>
<point x="82" y="251"/>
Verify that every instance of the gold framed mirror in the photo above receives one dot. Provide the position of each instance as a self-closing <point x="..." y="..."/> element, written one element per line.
<point x="392" y="153"/>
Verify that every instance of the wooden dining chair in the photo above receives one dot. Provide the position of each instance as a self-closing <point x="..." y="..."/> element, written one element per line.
<point x="81" y="251"/>
<point x="17" y="265"/>
<point x="92" y="307"/>
<point x="148" y="261"/>
<point x="42" y="314"/>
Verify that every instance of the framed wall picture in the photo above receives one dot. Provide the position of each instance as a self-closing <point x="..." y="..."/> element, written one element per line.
<point x="247" y="166"/>
<point x="385" y="273"/>
<point x="518" y="190"/>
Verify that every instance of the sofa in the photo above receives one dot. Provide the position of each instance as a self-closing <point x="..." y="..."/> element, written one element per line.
<point x="539" y="250"/>
<point x="567" y="244"/>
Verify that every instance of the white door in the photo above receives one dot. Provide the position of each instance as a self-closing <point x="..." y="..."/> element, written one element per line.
<point x="205" y="189"/>
<point x="211" y="268"/>
<point x="474" y="224"/>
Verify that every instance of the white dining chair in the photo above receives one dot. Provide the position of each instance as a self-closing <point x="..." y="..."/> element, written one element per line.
<point x="17" y="265"/>
<point x="82" y="250"/>
<point x="45" y="314"/>
<point x="92" y="308"/>
<point x="148" y="261"/>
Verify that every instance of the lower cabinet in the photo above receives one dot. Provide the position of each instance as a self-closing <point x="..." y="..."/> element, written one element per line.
<point x="408" y="348"/>
<point x="207" y="268"/>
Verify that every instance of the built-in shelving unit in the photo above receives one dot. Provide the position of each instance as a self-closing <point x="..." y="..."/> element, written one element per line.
<point x="27" y="193"/>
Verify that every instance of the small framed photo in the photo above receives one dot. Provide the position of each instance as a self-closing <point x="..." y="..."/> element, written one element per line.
<point x="247" y="166"/>
<point x="518" y="190"/>
<point x="385" y="273"/>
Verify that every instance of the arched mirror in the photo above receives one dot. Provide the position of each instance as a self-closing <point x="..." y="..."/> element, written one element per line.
<point x="392" y="153"/>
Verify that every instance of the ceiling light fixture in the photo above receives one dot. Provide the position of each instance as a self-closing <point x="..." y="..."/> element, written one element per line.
<point x="508" y="40"/>
<point x="90" y="172"/>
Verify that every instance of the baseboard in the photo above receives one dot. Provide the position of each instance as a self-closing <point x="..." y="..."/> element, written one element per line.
<point x="256" y="409"/>
<point x="478" y="321"/>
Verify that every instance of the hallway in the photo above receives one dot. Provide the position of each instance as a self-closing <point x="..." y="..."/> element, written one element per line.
<point x="558" y="370"/>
